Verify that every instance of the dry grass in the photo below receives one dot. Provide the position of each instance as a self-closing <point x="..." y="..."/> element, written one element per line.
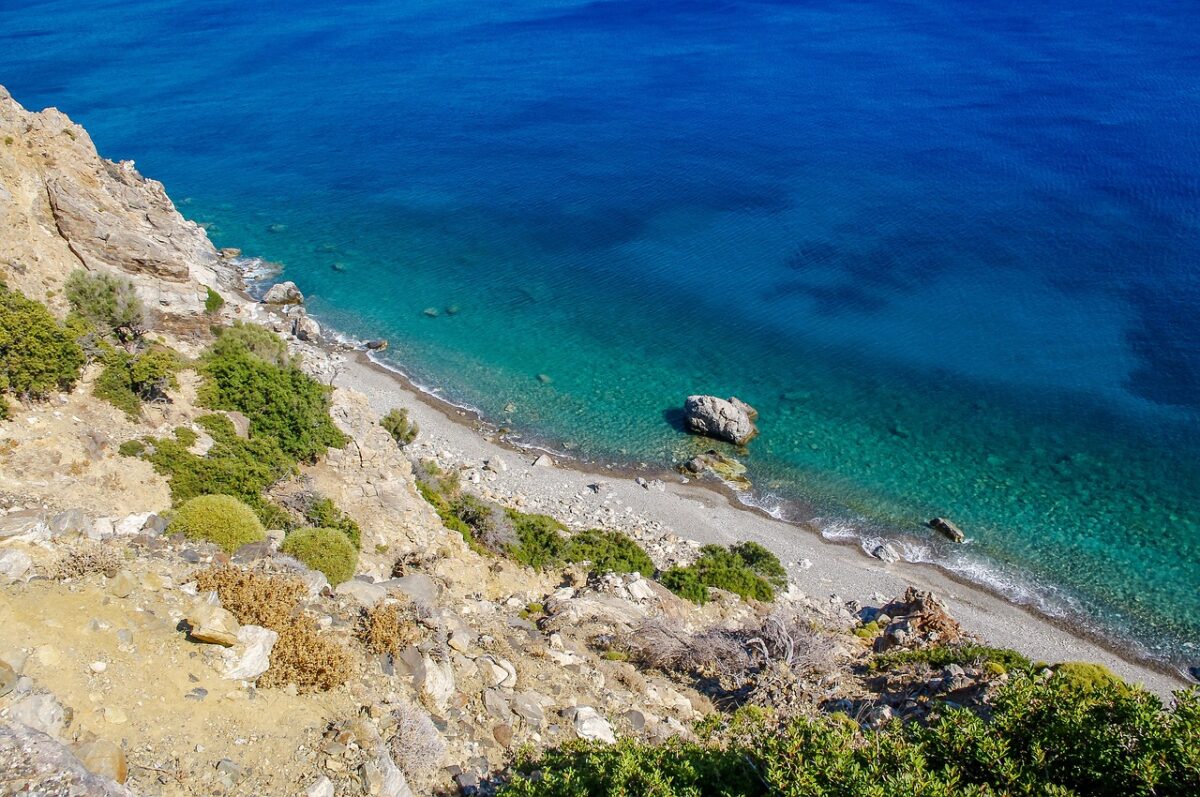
<point x="303" y="655"/>
<point x="388" y="628"/>
<point x="85" y="558"/>
<point x="416" y="746"/>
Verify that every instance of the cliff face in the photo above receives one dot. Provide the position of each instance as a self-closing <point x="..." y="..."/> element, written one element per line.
<point x="63" y="207"/>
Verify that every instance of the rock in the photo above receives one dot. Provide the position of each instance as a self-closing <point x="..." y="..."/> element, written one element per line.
<point x="130" y="525"/>
<point x="378" y="344"/>
<point x="251" y="656"/>
<point x="40" y="712"/>
<point x="307" y="329"/>
<point x="503" y="734"/>
<point x="543" y="461"/>
<point x="528" y="706"/>
<point x="497" y="672"/>
<point x="231" y="772"/>
<point x="430" y="312"/>
<point x="14" y="565"/>
<point x="877" y="717"/>
<point x="417" y="586"/>
<point x="72" y="521"/>
<point x="731" y="420"/>
<point x="947" y="529"/>
<point x="283" y="293"/>
<point x="212" y="624"/>
<point x="8" y="679"/>
<point x="636" y="719"/>
<point x="37" y="764"/>
<point x="590" y="725"/>
<point x="123" y="585"/>
<point x="229" y="252"/>
<point x="725" y="468"/>
<point x="103" y="758"/>
<point x="241" y="424"/>
<point x="438" y="681"/>
<point x="98" y="667"/>
<point x="885" y="552"/>
<point x="321" y="787"/>
<point x="364" y="592"/>
<point x="382" y="778"/>
<point x="27" y="525"/>
<point x="495" y="704"/>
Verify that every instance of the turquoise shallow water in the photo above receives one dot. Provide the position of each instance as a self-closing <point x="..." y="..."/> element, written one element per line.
<point x="949" y="252"/>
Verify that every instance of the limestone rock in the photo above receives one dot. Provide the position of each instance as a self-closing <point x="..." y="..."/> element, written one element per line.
<point x="885" y="552"/>
<point x="307" y="329"/>
<point x="948" y="529"/>
<point x="212" y="624"/>
<point x="363" y="592"/>
<point x="251" y="656"/>
<point x="14" y="565"/>
<point x="590" y="725"/>
<point x="731" y="420"/>
<point x="103" y="758"/>
<point x="35" y="763"/>
<point x="40" y="712"/>
<point x="283" y="293"/>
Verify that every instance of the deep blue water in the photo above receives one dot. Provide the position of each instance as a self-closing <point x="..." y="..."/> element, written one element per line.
<point x="948" y="249"/>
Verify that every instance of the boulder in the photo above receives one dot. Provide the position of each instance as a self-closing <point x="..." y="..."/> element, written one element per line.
<point x="35" y="763"/>
<point x="885" y="552"/>
<point x="212" y="624"/>
<point x="103" y="758"/>
<point x="590" y="725"/>
<point x="377" y="344"/>
<point x="251" y="656"/>
<point x="14" y="565"/>
<point x="40" y="712"/>
<point x="948" y="529"/>
<point x="283" y="293"/>
<point x="307" y="329"/>
<point x="731" y="420"/>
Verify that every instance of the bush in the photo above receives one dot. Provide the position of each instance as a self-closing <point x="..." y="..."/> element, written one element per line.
<point x="326" y="550"/>
<point x="213" y="301"/>
<point x="1042" y="738"/>
<point x="445" y="512"/>
<point x="540" y="542"/>
<point x="37" y="355"/>
<point x="106" y="302"/>
<point x="1087" y="677"/>
<point x="254" y="597"/>
<point x="938" y="656"/>
<point x="764" y="563"/>
<point x="608" y="551"/>
<point x="233" y="466"/>
<point x="402" y="430"/>
<point x="725" y="568"/>
<point x="387" y="628"/>
<point x="219" y="519"/>
<point x="323" y="513"/>
<point x="416" y="745"/>
<point x="245" y="372"/>
<point x="85" y="558"/>
<point x="128" y="380"/>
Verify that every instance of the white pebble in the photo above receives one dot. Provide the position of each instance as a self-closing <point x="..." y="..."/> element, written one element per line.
<point x="98" y="667"/>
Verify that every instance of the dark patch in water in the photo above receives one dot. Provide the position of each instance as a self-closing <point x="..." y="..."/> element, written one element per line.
<point x="1167" y="341"/>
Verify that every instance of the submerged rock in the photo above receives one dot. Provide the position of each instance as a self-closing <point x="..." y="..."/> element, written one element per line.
<point x="378" y="344"/>
<point x="948" y="529"/>
<point x="726" y="468"/>
<point x="731" y="420"/>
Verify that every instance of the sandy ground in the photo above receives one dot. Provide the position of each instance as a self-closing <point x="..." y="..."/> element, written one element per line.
<point x="706" y="515"/>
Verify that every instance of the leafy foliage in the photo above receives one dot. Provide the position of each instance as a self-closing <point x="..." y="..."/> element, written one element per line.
<point x="608" y="551"/>
<point x="219" y="519"/>
<point x="727" y="569"/>
<point x="38" y="356"/>
<point x="540" y="542"/>
<point x="107" y="302"/>
<point x="246" y="370"/>
<point x="327" y="550"/>
<point x="323" y="513"/>
<point x="397" y="424"/>
<point x="942" y="655"/>
<point x="213" y="301"/>
<point x="127" y="379"/>
<point x="1043" y="737"/>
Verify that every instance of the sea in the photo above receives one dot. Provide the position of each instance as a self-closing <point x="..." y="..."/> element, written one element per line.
<point x="950" y="251"/>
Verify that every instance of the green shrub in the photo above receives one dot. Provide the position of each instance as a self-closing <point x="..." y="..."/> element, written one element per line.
<point x="37" y="355"/>
<point x="107" y="302"/>
<point x="1087" y="677"/>
<point x="1041" y="738"/>
<point x="127" y="380"/>
<point x="131" y="448"/>
<point x="326" y="550"/>
<point x="323" y="513"/>
<point x="608" y="551"/>
<point x="281" y="401"/>
<point x="213" y="301"/>
<point x="219" y="519"/>
<point x="445" y="512"/>
<point x="868" y="630"/>
<point x="764" y="563"/>
<point x="233" y="466"/>
<point x="397" y="424"/>
<point x="724" y="568"/>
<point x="938" y="656"/>
<point x="540" y="542"/>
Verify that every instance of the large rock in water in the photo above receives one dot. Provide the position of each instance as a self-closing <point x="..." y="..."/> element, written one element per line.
<point x="731" y="420"/>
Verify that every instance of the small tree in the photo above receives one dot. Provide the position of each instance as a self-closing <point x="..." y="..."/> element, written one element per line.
<point x="397" y="424"/>
<point x="37" y="355"/>
<point x="107" y="302"/>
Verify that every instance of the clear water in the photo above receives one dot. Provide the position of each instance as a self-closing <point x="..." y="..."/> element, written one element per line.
<point x="948" y="250"/>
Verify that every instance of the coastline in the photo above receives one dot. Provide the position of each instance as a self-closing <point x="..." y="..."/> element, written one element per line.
<point x="703" y="513"/>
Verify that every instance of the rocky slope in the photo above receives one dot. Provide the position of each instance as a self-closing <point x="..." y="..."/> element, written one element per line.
<point x="120" y="675"/>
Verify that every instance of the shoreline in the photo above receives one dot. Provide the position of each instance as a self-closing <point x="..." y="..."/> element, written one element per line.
<point x="710" y="512"/>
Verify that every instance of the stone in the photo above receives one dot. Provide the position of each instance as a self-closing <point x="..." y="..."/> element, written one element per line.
<point x="123" y="584"/>
<point x="8" y="679"/>
<point x="98" y="667"/>
<point x="591" y="726"/>
<point x="363" y="592"/>
<point x="27" y="524"/>
<point x="307" y="329"/>
<point x="948" y="529"/>
<point x="382" y="778"/>
<point x="877" y="717"/>
<point x="636" y="719"/>
<point x="43" y="765"/>
<point x="378" y="344"/>
<point x="41" y="712"/>
<point x="103" y="758"/>
<point x="544" y="461"/>
<point x="495" y="704"/>
<point x="438" y="681"/>
<point x="14" y="565"/>
<point x="212" y="624"/>
<point x="497" y="672"/>
<point x="72" y="521"/>
<point x="321" y="787"/>
<point x="130" y="525"/>
<point x="503" y="734"/>
<point x="417" y="586"/>
<point x="283" y="293"/>
<point x="241" y="424"/>
<point x="730" y="420"/>
<point x="528" y="706"/>
<point x="885" y="552"/>
<point x="251" y="656"/>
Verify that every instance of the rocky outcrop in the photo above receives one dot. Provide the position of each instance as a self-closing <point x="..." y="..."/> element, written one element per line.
<point x="731" y="420"/>
<point x="32" y="762"/>
<point x="948" y="529"/>
<point x="283" y="293"/>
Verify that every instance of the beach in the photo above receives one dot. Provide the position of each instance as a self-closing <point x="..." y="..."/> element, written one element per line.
<point x="704" y="514"/>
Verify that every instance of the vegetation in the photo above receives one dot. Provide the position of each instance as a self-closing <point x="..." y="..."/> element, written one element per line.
<point x="1043" y="737"/>
<point x="388" y="628"/>
<point x="323" y="513"/>
<point x="748" y="570"/>
<point x="939" y="656"/>
<point x="87" y="557"/>
<point x="219" y="519"/>
<point x="213" y="301"/>
<point x="302" y="655"/>
<point x="326" y="550"/>
<point x="128" y="380"/>
<point x="539" y="540"/>
<point x="107" y="303"/>
<point x="38" y="356"/>
<point x="397" y="424"/>
<point x="1087" y="677"/>
<point x="246" y="370"/>
<point x="609" y="552"/>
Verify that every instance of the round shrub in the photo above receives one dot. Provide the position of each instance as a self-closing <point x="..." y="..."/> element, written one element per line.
<point x="1082" y="676"/>
<point x="327" y="550"/>
<point x="220" y="519"/>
